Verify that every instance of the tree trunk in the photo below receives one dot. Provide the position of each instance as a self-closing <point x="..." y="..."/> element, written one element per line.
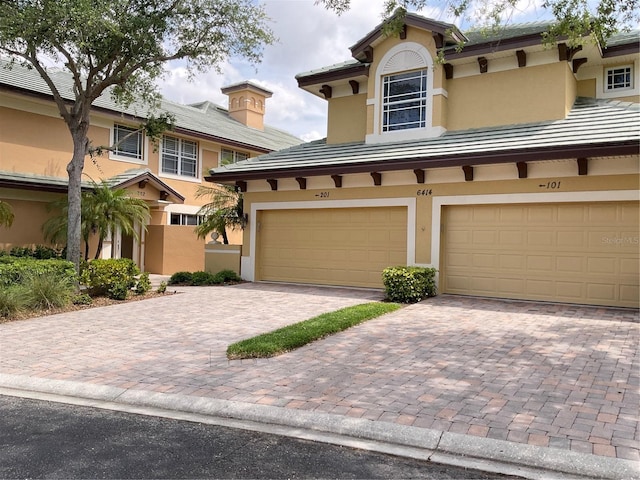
<point x="74" y="169"/>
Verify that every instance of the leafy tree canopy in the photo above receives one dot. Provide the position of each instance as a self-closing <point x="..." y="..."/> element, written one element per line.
<point x="120" y="47"/>
<point x="574" y="19"/>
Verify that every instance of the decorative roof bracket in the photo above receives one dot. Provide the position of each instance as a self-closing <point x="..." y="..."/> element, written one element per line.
<point x="302" y="182"/>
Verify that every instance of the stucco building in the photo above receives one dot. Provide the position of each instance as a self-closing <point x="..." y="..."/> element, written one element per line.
<point x="35" y="147"/>
<point x="510" y="166"/>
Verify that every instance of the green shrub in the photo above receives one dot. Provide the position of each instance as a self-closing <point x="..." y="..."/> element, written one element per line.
<point x="111" y="277"/>
<point x="82" y="299"/>
<point x="12" y="301"/>
<point x="409" y="284"/>
<point x="143" y="285"/>
<point x="119" y="290"/>
<point x="42" y="292"/>
<point x="14" y="270"/>
<point x="226" y="276"/>
<point x="21" y="252"/>
<point x="181" y="278"/>
<point x="44" y="252"/>
<point x="202" y="278"/>
<point x="162" y="288"/>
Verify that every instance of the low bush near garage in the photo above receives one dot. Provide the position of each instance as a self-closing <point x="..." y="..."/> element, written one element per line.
<point x="409" y="284"/>
<point x="201" y="278"/>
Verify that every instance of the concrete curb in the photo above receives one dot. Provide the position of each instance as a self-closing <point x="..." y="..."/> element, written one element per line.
<point x="497" y="456"/>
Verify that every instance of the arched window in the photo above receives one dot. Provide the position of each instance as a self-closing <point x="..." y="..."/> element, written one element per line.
<point x="404" y="90"/>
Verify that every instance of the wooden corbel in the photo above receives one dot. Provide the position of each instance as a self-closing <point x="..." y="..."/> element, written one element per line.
<point x="583" y="166"/>
<point x="468" y="173"/>
<point x="273" y="182"/>
<point x="302" y="182"/>
<point x="483" y="63"/>
<point x="326" y="90"/>
<point x="448" y="71"/>
<point x="577" y="63"/>
<point x="419" y="175"/>
<point x="377" y="178"/>
<point x="566" y="53"/>
<point x="522" y="169"/>
<point x="337" y="180"/>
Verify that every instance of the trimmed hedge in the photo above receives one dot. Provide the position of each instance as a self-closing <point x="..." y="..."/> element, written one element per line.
<point x="14" y="270"/>
<point x="409" y="284"/>
<point x="113" y="277"/>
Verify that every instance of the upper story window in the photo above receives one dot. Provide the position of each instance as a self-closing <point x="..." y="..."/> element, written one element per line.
<point x="231" y="156"/>
<point x="618" y="78"/>
<point x="185" y="219"/>
<point x="404" y="101"/>
<point x="179" y="157"/>
<point x="403" y="96"/>
<point x="128" y="143"/>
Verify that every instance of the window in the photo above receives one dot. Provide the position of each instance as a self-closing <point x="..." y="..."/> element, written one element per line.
<point x="185" y="219"/>
<point x="179" y="157"/>
<point x="618" y="78"/>
<point x="404" y="101"/>
<point x="230" y="156"/>
<point x="127" y="142"/>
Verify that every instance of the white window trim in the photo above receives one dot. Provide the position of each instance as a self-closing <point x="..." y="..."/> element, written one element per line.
<point x="618" y="67"/>
<point x="601" y="82"/>
<point x="197" y="178"/>
<point x="418" y="57"/>
<point x="114" y="156"/>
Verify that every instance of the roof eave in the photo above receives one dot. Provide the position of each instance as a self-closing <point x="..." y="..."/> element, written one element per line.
<point x="445" y="29"/>
<point x="335" y="75"/>
<point x="456" y="160"/>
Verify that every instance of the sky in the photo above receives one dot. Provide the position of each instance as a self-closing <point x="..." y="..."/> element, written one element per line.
<point x="309" y="37"/>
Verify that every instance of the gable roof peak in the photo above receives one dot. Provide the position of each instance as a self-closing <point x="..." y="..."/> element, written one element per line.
<point x="448" y="31"/>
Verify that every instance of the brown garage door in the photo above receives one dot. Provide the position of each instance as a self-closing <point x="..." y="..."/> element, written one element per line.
<point x="337" y="246"/>
<point x="577" y="252"/>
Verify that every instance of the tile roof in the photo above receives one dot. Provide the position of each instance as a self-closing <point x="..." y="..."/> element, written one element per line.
<point x="596" y="126"/>
<point x="37" y="182"/>
<point x="210" y="122"/>
<point x="130" y="177"/>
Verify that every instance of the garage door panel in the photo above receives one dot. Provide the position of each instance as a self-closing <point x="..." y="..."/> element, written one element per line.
<point x="578" y="252"/>
<point x="340" y="246"/>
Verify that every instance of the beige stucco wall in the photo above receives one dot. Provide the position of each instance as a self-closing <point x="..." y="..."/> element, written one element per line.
<point x="493" y="99"/>
<point x="26" y="229"/>
<point x="587" y="88"/>
<point x="410" y="189"/>
<point x="347" y="119"/>
<point x="222" y="257"/>
<point x="173" y="248"/>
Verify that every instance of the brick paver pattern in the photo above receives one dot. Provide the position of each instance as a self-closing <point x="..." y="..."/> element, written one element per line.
<point x="551" y="375"/>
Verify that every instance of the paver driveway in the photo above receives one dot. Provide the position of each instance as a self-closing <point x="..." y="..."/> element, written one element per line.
<point x="549" y="375"/>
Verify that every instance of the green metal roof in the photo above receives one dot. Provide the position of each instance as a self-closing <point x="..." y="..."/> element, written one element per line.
<point x="209" y="122"/>
<point x="592" y="128"/>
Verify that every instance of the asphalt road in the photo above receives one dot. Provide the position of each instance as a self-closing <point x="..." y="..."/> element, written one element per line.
<point x="50" y="440"/>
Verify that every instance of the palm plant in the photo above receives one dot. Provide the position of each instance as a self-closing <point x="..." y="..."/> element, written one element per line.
<point x="225" y="210"/>
<point x="6" y="215"/>
<point x="103" y="210"/>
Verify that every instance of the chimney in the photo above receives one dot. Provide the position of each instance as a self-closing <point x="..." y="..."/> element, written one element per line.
<point x="247" y="103"/>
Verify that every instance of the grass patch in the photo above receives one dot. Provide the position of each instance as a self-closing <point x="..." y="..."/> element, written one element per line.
<point x="295" y="336"/>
